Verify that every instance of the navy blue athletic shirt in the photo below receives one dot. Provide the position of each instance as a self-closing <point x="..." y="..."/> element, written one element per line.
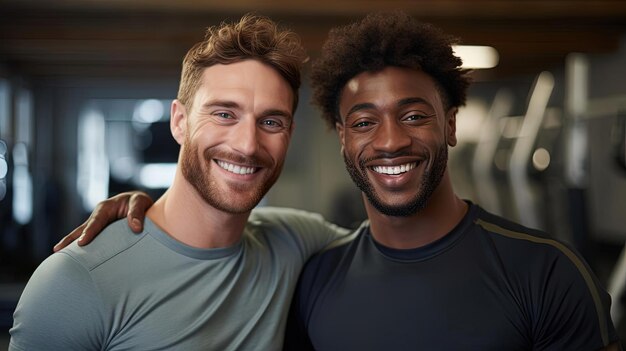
<point x="490" y="284"/>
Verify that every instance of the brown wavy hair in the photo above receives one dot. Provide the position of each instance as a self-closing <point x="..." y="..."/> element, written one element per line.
<point x="253" y="37"/>
<point x="380" y="40"/>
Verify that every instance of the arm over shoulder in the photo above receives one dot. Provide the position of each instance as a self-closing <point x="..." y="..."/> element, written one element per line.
<point x="311" y="231"/>
<point x="59" y="309"/>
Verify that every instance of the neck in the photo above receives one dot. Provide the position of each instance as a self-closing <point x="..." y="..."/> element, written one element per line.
<point x="184" y="215"/>
<point x="442" y="213"/>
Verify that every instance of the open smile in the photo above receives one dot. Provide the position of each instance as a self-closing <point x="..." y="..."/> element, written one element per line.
<point x="394" y="170"/>
<point x="236" y="169"/>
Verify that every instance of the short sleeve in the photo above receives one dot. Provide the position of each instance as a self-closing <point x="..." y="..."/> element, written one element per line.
<point x="574" y="309"/>
<point x="59" y="309"/>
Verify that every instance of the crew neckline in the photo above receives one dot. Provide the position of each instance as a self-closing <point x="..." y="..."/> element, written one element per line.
<point x="161" y="236"/>
<point x="430" y="250"/>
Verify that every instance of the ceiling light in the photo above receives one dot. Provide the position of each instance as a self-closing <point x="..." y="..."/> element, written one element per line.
<point x="476" y="56"/>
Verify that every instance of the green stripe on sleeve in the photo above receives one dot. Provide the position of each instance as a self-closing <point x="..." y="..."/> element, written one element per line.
<point x="573" y="257"/>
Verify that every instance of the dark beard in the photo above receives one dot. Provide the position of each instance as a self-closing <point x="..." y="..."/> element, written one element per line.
<point x="191" y="168"/>
<point x="431" y="179"/>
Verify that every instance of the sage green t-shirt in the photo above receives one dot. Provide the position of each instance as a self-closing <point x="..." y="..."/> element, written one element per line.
<point x="149" y="291"/>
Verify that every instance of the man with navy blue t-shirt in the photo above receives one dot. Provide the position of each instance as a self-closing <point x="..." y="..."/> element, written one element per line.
<point x="427" y="271"/>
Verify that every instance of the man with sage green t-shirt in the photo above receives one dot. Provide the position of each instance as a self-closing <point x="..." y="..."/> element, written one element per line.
<point x="207" y="272"/>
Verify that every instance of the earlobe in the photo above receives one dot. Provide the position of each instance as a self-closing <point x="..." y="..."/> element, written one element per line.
<point x="178" y="121"/>
<point x="451" y="126"/>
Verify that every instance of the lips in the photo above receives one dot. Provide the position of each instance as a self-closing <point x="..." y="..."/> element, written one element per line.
<point x="393" y="173"/>
<point x="236" y="169"/>
<point x="394" y="170"/>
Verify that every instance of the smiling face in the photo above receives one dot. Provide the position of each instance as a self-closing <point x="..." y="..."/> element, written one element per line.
<point x="235" y="136"/>
<point x="395" y="137"/>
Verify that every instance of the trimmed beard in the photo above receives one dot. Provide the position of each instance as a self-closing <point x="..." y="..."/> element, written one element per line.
<point x="192" y="170"/>
<point x="430" y="180"/>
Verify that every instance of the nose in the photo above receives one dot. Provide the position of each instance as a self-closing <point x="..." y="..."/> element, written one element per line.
<point x="390" y="136"/>
<point x="244" y="137"/>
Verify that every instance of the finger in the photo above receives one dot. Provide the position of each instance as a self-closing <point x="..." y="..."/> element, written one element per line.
<point x="138" y="206"/>
<point x="76" y="233"/>
<point x="98" y="220"/>
<point x="104" y="213"/>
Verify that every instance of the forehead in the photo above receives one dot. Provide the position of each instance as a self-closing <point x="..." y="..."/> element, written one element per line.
<point x="388" y="86"/>
<point x="247" y="82"/>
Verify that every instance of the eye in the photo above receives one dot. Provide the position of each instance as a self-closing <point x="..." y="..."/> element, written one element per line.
<point x="413" y="117"/>
<point x="272" y="124"/>
<point x="224" y="115"/>
<point x="362" y="121"/>
<point x="362" y="124"/>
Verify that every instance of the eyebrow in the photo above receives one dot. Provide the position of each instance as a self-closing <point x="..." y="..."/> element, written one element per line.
<point x="277" y="112"/>
<point x="413" y="100"/>
<point x="220" y="103"/>
<point x="403" y="102"/>
<point x="359" y="107"/>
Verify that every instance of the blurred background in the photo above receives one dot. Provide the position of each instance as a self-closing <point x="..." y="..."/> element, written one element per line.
<point x="85" y="90"/>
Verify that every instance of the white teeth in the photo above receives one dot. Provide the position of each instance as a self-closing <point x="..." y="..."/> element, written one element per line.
<point x="395" y="169"/>
<point x="236" y="169"/>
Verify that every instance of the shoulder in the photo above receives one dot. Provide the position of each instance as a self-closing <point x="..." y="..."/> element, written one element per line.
<point x="530" y="255"/>
<point x="503" y="226"/>
<point x="282" y="216"/>
<point x="59" y="308"/>
<point x="507" y="234"/>
<point x="326" y="269"/>
<point x="113" y="240"/>
<point x="309" y="229"/>
<point x="70" y="270"/>
<point x="283" y="223"/>
<point x="328" y="260"/>
<point x="550" y="270"/>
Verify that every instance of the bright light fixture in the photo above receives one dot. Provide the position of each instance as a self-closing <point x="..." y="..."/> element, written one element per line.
<point x="477" y="56"/>
<point x="156" y="175"/>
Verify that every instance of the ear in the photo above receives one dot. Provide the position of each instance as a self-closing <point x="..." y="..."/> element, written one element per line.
<point x="340" y="133"/>
<point x="451" y="126"/>
<point x="178" y="121"/>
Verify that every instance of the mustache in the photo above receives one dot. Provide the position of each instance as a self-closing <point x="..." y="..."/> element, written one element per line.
<point x="248" y="161"/>
<point x="384" y="155"/>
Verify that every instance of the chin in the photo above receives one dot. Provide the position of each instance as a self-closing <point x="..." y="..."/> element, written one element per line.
<point x="234" y="208"/>
<point x="398" y="210"/>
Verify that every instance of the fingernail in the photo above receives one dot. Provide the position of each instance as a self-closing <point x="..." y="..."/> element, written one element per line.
<point x="81" y="237"/>
<point x="136" y="223"/>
